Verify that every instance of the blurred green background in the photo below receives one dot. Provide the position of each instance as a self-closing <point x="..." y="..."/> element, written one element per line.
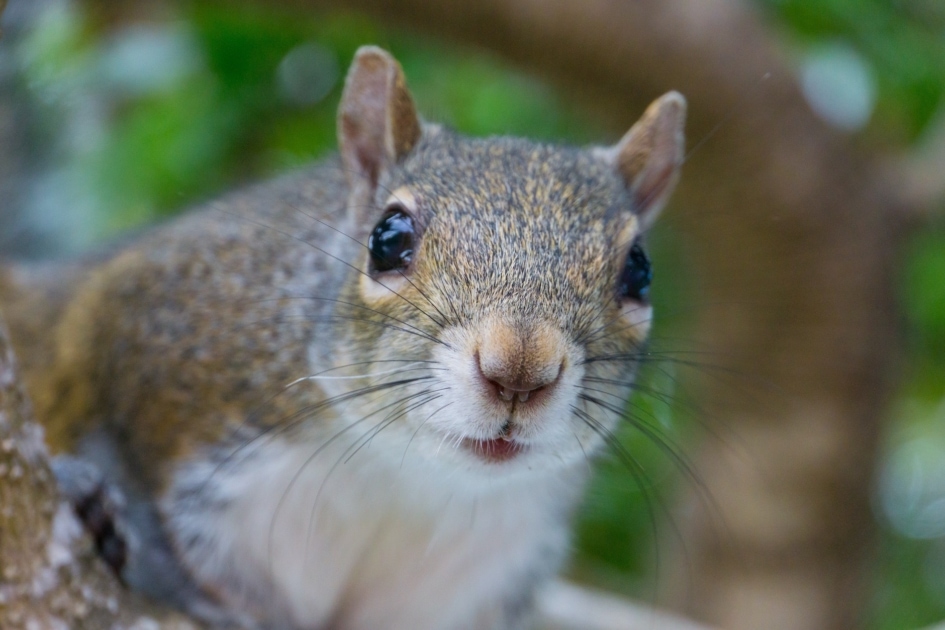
<point x="131" y="125"/>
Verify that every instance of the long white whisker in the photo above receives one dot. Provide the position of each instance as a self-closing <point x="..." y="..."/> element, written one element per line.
<point x="323" y="376"/>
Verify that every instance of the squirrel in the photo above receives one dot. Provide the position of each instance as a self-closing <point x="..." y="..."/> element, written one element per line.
<point x="363" y="395"/>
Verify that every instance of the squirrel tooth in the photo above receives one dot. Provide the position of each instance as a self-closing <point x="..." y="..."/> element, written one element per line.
<point x="523" y="396"/>
<point x="506" y="394"/>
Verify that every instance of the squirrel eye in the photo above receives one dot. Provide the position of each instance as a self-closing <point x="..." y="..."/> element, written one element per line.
<point x="636" y="276"/>
<point x="391" y="242"/>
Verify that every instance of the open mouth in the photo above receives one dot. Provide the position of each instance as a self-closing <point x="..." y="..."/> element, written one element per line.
<point x="495" y="450"/>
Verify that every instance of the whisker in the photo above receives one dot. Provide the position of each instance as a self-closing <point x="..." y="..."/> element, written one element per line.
<point x="286" y="296"/>
<point x="392" y="193"/>
<point x="651" y="433"/>
<point x="365" y="439"/>
<point x="275" y="319"/>
<point x="663" y="397"/>
<point x="587" y="460"/>
<point x="594" y="335"/>
<point x="674" y="452"/>
<point x="441" y="324"/>
<point x="272" y="431"/>
<point x="311" y="458"/>
<point x="412" y="367"/>
<point x="420" y="426"/>
<point x="630" y="463"/>
<point x="334" y="257"/>
<point x="399" y="415"/>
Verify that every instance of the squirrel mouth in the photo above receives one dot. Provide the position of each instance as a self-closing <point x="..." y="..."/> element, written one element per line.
<point x="495" y="450"/>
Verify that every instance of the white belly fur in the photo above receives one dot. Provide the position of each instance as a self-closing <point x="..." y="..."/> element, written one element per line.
<point x="375" y="541"/>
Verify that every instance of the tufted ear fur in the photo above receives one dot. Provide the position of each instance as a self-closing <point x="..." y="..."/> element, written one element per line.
<point x="377" y="121"/>
<point x="648" y="157"/>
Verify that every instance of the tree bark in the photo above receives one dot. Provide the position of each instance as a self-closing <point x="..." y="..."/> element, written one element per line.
<point x="50" y="574"/>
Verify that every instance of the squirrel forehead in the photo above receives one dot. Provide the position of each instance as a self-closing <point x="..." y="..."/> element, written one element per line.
<point x="508" y="218"/>
<point x="509" y="180"/>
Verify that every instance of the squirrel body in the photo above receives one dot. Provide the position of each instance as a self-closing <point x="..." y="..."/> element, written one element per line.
<point x="351" y="398"/>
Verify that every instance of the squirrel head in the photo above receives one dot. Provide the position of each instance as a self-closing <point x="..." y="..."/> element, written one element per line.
<point x="510" y="274"/>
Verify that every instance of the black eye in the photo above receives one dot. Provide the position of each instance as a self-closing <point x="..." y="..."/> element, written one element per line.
<point x="392" y="241"/>
<point x="636" y="276"/>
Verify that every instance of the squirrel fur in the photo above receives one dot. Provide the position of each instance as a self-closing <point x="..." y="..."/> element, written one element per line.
<point x="307" y="439"/>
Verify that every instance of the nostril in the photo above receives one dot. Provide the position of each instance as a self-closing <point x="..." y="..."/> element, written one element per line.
<point x="508" y="394"/>
<point x="509" y="387"/>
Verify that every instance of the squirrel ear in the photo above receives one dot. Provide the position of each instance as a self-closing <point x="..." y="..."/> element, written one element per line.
<point x="377" y="121"/>
<point x="649" y="155"/>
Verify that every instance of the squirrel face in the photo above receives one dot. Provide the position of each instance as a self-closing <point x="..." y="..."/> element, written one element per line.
<point x="511" y="270"/>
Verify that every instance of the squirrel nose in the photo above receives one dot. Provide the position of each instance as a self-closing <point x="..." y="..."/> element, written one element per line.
<point x="508" y="387"/>
<point x="518" y="361"/>
<point x="509" y="393"/>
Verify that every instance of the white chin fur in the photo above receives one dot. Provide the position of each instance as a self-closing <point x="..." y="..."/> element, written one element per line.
<point x="551" y="436"/>
<point x="371" y="539"/>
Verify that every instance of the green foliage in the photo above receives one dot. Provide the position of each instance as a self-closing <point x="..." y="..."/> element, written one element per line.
<point x="224" y="118"/>
<point x="909" y="591"/>
<point x="903" y="41"/>
<point x="924" y="297"/>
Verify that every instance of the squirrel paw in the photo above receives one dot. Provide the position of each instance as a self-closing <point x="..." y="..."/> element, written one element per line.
<point x="128" y="538"/>
<point x="97" y="504"/>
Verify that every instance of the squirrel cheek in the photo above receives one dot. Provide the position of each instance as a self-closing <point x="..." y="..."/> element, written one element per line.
<point x="638" y="319"/>
<point x="376" y="291"/>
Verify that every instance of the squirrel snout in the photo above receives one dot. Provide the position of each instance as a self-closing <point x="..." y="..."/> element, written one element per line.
<point x="510" y="390"/>
<point x="515" y="365"/>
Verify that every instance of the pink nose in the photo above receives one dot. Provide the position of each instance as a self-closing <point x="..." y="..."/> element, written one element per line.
<point x="508" y="384"/>
<point x="518" y="361"/>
